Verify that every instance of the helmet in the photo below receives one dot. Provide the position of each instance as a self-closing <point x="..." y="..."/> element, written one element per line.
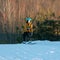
<point x="28" y="19"/>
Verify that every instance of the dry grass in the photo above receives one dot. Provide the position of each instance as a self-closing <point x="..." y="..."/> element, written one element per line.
<point x="13" y="12"/>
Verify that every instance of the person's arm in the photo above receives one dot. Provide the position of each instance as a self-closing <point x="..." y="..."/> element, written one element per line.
<point x="31" y="27"/>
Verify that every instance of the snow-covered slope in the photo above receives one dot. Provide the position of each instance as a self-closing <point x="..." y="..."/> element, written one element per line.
<point x="37" y="50"/>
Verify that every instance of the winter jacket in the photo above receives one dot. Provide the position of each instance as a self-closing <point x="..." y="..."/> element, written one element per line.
<point x="28" y="27"/>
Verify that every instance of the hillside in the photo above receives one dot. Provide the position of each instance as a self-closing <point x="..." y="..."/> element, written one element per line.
<point x="38" y="50"/>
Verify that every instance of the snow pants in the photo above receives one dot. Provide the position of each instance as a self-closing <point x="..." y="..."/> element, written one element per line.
<point x="27" y="35"/>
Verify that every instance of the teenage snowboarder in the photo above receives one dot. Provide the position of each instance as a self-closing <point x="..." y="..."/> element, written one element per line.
<point x="28" y="29"/>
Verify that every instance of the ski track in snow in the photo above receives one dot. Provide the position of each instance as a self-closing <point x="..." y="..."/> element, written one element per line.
<point x="37" y="50"/>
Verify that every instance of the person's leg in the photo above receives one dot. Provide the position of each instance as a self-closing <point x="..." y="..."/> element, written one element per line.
<point x="30" y="34"/>
<point x="24" y="35"/>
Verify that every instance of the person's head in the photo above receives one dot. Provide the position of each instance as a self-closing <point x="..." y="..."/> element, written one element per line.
<point x="28" y="20"/>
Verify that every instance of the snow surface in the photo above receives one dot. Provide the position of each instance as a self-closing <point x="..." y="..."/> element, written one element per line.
<point x="37" y="50"/>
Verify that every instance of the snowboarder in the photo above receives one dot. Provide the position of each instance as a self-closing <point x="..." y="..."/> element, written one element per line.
<point x="28" y="29"/>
